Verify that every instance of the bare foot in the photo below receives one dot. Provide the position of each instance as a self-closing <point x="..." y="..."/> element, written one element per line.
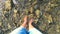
<point x="25" y="22"/>
<point x="30" y="24"/>
<point x="25" y="19"/>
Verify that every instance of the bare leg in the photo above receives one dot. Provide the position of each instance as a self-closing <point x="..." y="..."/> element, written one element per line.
<point x="32" y="29"/>
<point x="30" y="24"/>
<point x="22" y="29"/>
<point x="25" y="22"/>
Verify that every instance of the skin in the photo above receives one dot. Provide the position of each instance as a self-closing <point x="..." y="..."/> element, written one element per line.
<point x="30" y="23"/>
<point x="25" y="22"/>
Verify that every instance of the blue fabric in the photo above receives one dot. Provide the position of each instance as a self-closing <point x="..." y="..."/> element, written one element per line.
<point x="22" y="30"/>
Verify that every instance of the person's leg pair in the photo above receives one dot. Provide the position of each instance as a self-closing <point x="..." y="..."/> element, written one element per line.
<point x="22" y="29"/>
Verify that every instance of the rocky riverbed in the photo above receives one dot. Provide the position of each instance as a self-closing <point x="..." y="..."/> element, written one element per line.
<point x="46" y="14"/>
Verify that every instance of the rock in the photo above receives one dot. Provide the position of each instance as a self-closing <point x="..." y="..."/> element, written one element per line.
<point x="8" y="4"/>
<point x="37" y="12"/>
